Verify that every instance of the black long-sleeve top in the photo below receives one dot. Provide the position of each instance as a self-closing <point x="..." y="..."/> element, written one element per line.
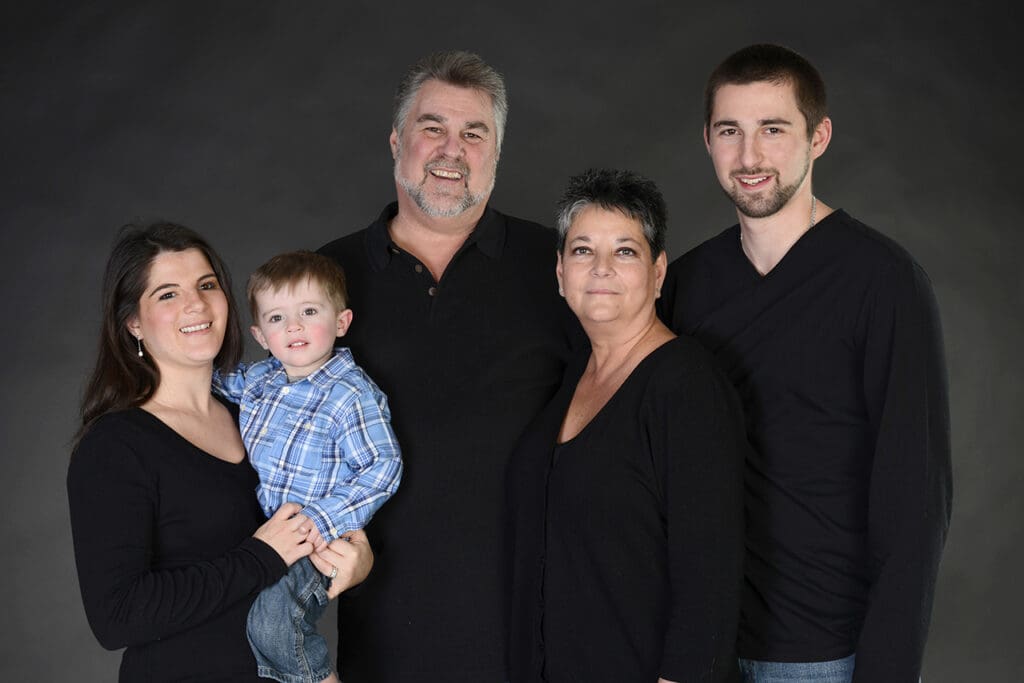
<point x="163" y="543"/>
<point x="466" y="362"/>
<point x="627" y="539"/>
<point x="837" y="356"/>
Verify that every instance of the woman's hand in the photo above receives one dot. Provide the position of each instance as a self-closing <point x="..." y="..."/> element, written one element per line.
<point x="351" y="555"/>
<point x="286" y="533"/>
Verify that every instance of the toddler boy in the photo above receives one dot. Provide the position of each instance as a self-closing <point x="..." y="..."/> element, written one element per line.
<point x="318" y="433"/>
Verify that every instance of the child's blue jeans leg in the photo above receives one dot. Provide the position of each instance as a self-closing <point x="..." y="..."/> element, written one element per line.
<point x="834" y="671"/>
<point x="282" y="627"/>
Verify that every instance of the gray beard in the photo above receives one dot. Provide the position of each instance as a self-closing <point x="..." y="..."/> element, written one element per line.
<point x="467" y="201"/>
<point x="415" y="191"/>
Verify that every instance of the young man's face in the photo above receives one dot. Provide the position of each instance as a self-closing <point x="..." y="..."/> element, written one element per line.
<point x="446" y="154"/>
<point x="298" y="325"/>
<point x="757" y="139"/>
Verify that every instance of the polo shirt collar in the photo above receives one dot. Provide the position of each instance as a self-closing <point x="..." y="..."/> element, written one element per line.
<point x="488" y="236"/>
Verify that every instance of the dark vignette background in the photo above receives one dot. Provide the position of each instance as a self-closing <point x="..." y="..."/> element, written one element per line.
<point x="264" y="126"/>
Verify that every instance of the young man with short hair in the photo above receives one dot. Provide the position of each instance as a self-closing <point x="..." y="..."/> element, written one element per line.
<point x="830" y="332"/>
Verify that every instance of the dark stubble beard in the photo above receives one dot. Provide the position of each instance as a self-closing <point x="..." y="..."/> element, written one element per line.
<point x="769" y="203"/>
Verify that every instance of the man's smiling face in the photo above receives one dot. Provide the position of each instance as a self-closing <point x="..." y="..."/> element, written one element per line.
<point x="446" y="154"/>
<point x="758" y="142"/>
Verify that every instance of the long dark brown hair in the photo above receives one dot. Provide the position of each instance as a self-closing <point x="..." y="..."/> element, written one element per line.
<point x="120" y="378"/>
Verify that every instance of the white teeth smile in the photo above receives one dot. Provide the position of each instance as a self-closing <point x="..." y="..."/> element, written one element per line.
<point x="450" y="175"/>
<point x="295" y="345"/>
<point x="753" y="181"/>
<point x="195" y="328"/>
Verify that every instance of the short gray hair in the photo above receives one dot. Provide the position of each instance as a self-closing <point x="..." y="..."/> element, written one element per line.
<point x="624" y="191"/>
<point x="454" y="67"/>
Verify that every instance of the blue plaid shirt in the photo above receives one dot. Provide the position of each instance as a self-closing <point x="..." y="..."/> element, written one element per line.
<point x="324" y="442"/>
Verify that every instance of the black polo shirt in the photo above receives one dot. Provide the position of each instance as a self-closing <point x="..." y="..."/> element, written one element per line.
<point x="466" y="362"/>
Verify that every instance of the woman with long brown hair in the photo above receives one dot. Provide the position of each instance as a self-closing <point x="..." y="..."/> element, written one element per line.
<point x="170" y="543"/>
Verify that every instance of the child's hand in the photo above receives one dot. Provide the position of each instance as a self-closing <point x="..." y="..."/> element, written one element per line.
<point x="314" y="538"/>
<point x="287" y="532"/>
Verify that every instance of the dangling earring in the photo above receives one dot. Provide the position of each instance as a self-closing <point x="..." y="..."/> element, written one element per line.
<point x="138" y="342"/>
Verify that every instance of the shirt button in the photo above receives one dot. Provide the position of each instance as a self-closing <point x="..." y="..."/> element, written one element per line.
<point x="309" y="425"/>
<point x="418" y="268"/>
<point x="286" y="390"/>
<point x="432" y="291"/>
<point x="263" y="432"/>
<point x="394" y="250"/>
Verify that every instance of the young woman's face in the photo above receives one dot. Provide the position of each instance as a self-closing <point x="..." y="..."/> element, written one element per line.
<point x="183" y="312"/>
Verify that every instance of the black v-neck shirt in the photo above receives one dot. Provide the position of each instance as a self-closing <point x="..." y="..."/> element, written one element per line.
<point x="837" y="356"/>
<point x="163" y="544"/>
<point x="627" y="539"/>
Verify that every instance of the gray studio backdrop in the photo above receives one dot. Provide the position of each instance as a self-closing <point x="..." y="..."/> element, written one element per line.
<point x="264" y="126"/>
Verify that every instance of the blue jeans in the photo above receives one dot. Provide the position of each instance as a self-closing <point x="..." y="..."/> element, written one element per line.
<point x="282" y="627"/>
<point x="834" y="671"/>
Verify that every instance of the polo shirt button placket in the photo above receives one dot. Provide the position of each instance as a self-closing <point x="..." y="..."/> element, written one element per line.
<point x="419" y="269"/>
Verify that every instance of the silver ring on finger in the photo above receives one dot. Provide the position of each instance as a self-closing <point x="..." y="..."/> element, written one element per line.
<point x="334" y="573"/>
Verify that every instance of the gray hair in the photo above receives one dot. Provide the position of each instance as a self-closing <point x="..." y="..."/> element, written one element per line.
<point x="455" y="67"/>
<point x="624" y="191"/>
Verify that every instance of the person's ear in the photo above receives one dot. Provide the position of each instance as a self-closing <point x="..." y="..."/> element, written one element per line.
<point x="257" y="334"/>
<point x="821" y="137"/>
<point x="660" y="268"/>
<point x="344" y="321"/>
<point x="558" y="275"/>
<point x="134" y="327"/>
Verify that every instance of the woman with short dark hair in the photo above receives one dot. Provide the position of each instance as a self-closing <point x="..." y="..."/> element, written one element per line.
<point x="626" y="492"/>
